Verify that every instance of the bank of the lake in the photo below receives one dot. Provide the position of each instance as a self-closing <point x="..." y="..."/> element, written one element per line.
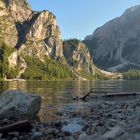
<point x="61" y="118"/>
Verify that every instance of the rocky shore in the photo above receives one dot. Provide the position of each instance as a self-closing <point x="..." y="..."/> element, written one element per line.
<point x="97" y="119"/>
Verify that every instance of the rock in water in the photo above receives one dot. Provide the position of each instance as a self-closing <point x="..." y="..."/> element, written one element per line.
<point x="19" y="105"/>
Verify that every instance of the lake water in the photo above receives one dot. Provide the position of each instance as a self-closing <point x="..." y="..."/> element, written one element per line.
<point x="55" y="94"/>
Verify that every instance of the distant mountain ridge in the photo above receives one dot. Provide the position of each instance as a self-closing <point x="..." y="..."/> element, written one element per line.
<point x="115" y="46"/>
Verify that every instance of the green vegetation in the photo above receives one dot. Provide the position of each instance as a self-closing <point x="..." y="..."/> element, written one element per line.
<point x="47" y="70"/>
<point x="41" y="70"/>
<point x="86" y="75"/>
<point x="98" y="75"/>
<point x="101" y="76"/>
<point x="132" y="74"/>
<point x="12" y="73"/>
<point x="5" y="71"/>
<point x="74" y="41"/>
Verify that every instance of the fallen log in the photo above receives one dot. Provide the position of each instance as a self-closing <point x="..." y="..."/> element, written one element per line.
<point x="21" y="126"/>
<point x="120" y="94"/>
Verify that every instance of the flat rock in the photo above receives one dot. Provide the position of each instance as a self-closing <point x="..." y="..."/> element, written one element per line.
<point x="114" y="132"/>
<point x="19" y="105"/>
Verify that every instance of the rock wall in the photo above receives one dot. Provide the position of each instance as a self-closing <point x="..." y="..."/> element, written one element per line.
<point x="77" y="56"/>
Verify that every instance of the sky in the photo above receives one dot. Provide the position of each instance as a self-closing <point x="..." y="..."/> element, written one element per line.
<point x="79" y="18"/>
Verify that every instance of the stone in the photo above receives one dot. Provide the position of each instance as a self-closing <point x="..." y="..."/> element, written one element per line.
<point x="15" y="138"/>
<point x="134" y="129"/>
<point x="114" y="132"/>
<point x="19" y="105"/>
<point x="13" y="134"/>
<point x="37" y="134"/>
<point x="73" y="126"/>
<point x="137" y="136"/>
<point x="0" y="135"/>
<point x="52" y="131"/>
<point x="84" y="136"/>
<point x="69" y="138"/>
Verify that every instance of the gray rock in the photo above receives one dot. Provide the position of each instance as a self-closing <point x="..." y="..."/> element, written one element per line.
<point x="69" y="138"/>
<point x="15" y="138"/>
<point x="134" y="129"/>
<point x="37" y="134"/>
<point x="0" y="135"/>
<point x="84" y="136"/>
<point x="13" y="134"/>
<point x="19" y="105"/>
<point x="51" y="131"/>
<point x="73" y="126"/>
<point x="114" y="132"/>
<point x="137" y="136"/>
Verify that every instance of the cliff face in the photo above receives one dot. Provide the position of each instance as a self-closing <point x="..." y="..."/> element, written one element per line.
<point x="8" y="31"/>
<point x="19" y="10"/>
<point x="116" y="45"/>
<point x="77" y="56"/>
<point x="28" y="34"/>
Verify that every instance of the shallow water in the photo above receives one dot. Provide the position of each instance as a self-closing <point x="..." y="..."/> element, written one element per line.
<point x="55" y="94"/>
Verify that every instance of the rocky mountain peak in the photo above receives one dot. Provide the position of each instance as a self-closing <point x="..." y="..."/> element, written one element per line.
<point x="29" y="26"/>
<point x="115" y="45"/>
<point x="132" y="9"/>
<point x="77" y="55"/>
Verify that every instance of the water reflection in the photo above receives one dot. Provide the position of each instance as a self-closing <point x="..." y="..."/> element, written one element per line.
<point x="57" y="93"/>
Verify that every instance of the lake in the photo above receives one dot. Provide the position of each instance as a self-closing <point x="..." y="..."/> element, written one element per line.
<point x="56" y="94"/>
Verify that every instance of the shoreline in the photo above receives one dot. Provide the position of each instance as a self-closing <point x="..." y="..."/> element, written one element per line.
<point x="100" y="119"/>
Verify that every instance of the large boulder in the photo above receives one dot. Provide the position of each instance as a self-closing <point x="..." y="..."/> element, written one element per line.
<point x="19" y="105"/>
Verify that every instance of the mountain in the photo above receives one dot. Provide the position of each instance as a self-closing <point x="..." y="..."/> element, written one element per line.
<point x="80" y="61"/>
<point x="31" y="47"/>
<point x="78" y="57"/>
<point x="30" y="43"/>
<point x="115" y="46"/>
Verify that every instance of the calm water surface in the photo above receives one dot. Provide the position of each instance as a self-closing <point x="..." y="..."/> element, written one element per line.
<point x="55" y="94"/>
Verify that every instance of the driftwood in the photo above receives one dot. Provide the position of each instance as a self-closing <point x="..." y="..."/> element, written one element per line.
<point x="88" y="94"/>
<point x="105" y="95"/>
<point x="120" y="94"/>
<point x="85" y="96"/>
<point x="21" y="126"/>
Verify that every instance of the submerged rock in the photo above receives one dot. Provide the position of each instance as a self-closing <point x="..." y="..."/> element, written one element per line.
<point x="73" y="126"/>
<point x="19" y="105"/>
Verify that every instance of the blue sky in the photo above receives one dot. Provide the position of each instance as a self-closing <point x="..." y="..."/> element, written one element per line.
<point x="78" y="18"/>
